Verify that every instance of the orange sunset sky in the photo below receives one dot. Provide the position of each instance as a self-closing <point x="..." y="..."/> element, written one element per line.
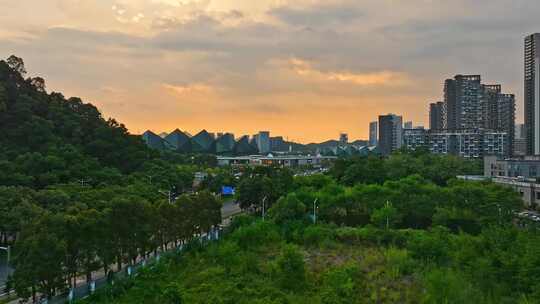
<point x="303" y="69"/>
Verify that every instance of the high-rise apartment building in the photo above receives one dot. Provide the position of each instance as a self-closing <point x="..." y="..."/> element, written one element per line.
<point x="373" y="133"/>
<point x="263" y="142"/>
<point x="436" y="116"/>
<point x="408" y="125"/>
<point x="470" y="105"/>
<point x="390" y="133"/>
<point x="520" y="141"/>
<point x="463" y="99"/>
<point x="532" y="93"/>
<point x="499" y="113"/>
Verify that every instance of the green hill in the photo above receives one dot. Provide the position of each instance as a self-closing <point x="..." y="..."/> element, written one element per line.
<point x="48" y="139"/>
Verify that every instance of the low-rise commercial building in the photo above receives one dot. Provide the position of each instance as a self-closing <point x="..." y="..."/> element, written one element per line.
<point x="278" y="160"/>
<point x="524" y="167"/>
<point x="464" y="143"/>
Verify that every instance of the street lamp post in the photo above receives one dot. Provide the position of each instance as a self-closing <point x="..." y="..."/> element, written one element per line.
<point x="167" y="194"/>
<point x="8" y="250"/>
<point x="263" y="207"/>
<point x="315" y="207"/>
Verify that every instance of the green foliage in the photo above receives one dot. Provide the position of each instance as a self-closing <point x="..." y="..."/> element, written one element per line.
<point x="338" y="286"/>
<point x="263" y="183"/>
<point x="447" y="286"/>
<point x="430" y="247"/>
<point x="290" y="268"/>
<point x="241" y="221"/>
<point x="374" y="170"/>
<point x="288" y="208"/>
<point x="253" y="236"/>
<point x="318" y="235"/>
<point x="385" y="217"/>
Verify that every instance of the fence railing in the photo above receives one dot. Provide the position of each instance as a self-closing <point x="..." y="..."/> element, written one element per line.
<point x="87" y="289"/>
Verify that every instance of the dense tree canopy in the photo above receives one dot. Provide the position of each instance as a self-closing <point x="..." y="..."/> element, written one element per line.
<point x="79" y="193"/>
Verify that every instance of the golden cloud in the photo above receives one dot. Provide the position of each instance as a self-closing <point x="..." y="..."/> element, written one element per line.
<point x="383" y="78"/>
<point x="188" y="89"/>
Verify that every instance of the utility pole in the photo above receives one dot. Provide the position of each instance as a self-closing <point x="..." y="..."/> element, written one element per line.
<point x="315" y="207"/>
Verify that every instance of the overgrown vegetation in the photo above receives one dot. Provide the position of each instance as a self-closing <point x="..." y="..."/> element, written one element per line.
<point x="401" y="240"/>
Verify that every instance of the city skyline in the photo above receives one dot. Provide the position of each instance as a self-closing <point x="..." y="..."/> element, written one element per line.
<point x="305" y="69"/>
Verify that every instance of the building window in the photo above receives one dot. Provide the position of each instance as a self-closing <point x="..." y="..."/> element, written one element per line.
<point x="538" y="195"/>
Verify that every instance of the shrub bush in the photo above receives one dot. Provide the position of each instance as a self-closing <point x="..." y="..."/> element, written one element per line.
<point x="318" y="235"/>
<point x="255" y="235"/>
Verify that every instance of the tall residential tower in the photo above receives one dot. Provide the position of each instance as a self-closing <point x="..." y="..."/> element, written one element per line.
<point x="532" y="93"/>
<point x="373" y="133"/>
<point x="436" y="116"/>
<point x="390" y="133"/>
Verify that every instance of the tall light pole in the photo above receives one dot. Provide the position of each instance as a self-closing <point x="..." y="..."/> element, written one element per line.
<point x="8" y="250"/>
<point x="168" y="194"/>
<point x="387" y="219"/>
<point x="315" y="207"/>
<point x="264" y="207"/>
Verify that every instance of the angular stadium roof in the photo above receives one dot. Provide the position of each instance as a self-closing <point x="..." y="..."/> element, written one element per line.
<point x="179" y="141"/>
<point x="202" y="142"/>
<point x="243" y="147"/>
<point x="154" y="141"/>
<point x="224" y="145"/>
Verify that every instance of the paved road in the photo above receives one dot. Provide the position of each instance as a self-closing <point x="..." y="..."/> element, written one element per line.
<point x="229" y="209"/>
<point x="4" y="270"/>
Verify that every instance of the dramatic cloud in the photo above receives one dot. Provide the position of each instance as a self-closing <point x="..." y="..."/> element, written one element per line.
<point x="306" y="69"/>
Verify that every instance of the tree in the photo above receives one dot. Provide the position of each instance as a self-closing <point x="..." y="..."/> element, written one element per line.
<point x="209" y="213"/>
<point x="288" y="208"/>
<point x="16" y="64"/>
<point x="291" y="269"/>
<point x="385" y="217"/>
<point x="251" y="191"/>
<point x="38" y="83"/>
<point x="40" y="258"/>
<point x="3" y="98"/>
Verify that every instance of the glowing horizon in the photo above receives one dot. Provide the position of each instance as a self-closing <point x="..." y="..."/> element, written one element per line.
<point x="306" y="70"/>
